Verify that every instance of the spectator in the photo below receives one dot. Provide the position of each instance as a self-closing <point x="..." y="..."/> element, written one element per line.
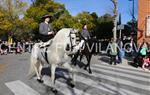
<point x="121" y="51"/>
<point x="113" y="52"/>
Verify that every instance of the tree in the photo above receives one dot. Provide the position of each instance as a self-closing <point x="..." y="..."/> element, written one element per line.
<point x="85" y="18"/>
<point x="11" y="11"/>
<point x="5" y="24"/>
<point x="115" y="11"/>
<point x="104" y="27"/>
<point x="39" y="8"/>
<point x="13" y="8"/>
<point x="65" y="20"/>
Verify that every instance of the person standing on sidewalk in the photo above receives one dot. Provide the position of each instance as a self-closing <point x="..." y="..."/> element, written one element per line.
<point x="121" y="51"/>
<point x="113" y="52"/>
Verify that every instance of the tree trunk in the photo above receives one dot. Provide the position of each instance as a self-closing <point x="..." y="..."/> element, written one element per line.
<point x="115" y="11"/>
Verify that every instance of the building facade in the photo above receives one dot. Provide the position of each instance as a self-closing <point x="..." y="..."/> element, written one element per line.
<point x="143" y="21"/>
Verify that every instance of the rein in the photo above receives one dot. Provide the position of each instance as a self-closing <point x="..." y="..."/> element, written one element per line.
<point x="71" y="32"/>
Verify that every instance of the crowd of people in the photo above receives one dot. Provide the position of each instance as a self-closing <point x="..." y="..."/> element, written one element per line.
<point x="16" y="47"/>
<point x="139" y="53"/>
<point x="142" y="58"/>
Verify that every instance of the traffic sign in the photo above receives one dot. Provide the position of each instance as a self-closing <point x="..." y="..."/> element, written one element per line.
<point x="120" y="27"/>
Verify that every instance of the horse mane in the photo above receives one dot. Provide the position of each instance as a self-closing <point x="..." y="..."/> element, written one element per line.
<point x="61" y="39"/>
<point x="62" y="35"/>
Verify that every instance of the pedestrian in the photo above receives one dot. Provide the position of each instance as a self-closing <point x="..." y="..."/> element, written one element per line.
<point x="113" y="52"/>
<point x="144" y="48"/>
<point x="146" y="63"/>
<point x="121" y="52"/>
<point x="142" y="51"/>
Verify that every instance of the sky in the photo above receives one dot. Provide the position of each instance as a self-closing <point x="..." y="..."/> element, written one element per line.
<point x="99" y="6"/>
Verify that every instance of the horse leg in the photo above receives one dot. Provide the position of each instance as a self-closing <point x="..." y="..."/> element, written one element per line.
<point x="89" y="61"/>
<point x="74" y="59"/>
<point x="38" y="69"/>
<point x="53" y="69"/>
<point x="85" y="67"/>
<point x="72" y="75"/>
<point x="81" y="56"/>
<point x="88" y="57"/>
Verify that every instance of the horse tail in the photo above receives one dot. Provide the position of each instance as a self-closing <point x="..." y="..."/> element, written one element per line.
<point x="33" y="62"/>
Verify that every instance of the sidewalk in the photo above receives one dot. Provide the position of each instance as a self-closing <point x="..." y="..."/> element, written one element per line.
<point x="104" y="59"/>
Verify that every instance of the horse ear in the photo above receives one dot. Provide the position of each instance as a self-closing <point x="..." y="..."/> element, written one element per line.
<point x="76" y="30"/>
<point x="67" y="47"/>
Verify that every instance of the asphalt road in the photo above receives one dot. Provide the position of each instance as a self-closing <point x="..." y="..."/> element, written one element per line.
<point x="105" y="80"/>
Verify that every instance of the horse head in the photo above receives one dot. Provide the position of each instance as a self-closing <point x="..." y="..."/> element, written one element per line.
<point x="64" y="40"/>
<point x="72" y="43"/>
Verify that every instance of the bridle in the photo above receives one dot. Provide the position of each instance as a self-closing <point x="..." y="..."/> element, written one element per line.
<point x="72" y="32"/>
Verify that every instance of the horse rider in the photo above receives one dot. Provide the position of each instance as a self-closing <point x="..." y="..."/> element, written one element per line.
<point x="45" y="31"/>
<point x="85" y="35"/>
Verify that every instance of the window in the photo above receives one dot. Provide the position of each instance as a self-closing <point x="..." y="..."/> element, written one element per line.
<point x="148" y="26"/>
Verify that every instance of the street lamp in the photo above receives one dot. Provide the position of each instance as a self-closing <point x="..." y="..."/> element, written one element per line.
<point x="133" y="17"/>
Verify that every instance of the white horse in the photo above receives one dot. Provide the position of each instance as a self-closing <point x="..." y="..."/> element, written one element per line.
<point x="57" y="54"/>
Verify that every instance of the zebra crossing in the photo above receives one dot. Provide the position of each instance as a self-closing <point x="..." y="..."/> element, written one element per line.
<point x="19" y="88"/>
<point x="105" y="80"/>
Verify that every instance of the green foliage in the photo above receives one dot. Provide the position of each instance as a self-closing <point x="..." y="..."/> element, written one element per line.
<point x="27" y="27"/>
<point x="39" y="8"/>
<point x="86" y="18"/>
<point x="10" y="11"/>
<point x="61" y="18"/>
<point x="104" y="27"/>
<point x="65" y="20"/>
<point x="5" y="24"/>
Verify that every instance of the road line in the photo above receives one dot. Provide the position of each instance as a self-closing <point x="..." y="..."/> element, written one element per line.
<point x="19" y="88"/>
<point x="120" y="90"/>
<point x="124" y="70"/>
<point x="63" y="88"/>
<point x="114" y="72"/>
<point x="120" y="81"/>
<point x="104" y="86"/>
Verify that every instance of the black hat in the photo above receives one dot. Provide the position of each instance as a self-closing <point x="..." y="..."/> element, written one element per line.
<point x="46" y="16"/>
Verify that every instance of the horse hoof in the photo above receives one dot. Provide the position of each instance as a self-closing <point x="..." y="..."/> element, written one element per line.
<point x="40" y="80"/>
<point x="71" y="85"/>
<point x="90" y="72"/>
<point x="85" y="68"/>
<point x="54" y="90"/>
<point x="75" y="64"/>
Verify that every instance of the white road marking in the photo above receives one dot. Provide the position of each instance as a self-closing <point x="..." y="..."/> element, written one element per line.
<point x="19" y="88"/>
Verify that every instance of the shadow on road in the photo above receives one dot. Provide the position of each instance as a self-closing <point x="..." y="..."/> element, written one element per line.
<point x="104" y="59"/>
<point x="80" y="64"/>
<point x="60" y="73"/>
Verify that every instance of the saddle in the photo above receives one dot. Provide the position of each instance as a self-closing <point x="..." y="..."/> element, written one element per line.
<point x="45" y="44"/>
